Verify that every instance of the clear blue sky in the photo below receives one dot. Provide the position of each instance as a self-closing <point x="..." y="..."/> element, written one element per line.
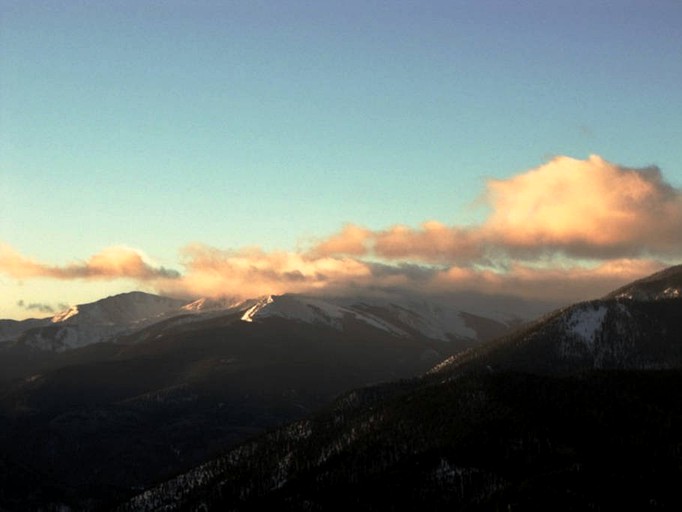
<point x="234" y="123"/>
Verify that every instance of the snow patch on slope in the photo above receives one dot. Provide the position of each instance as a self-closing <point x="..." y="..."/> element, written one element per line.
<point x="257" y="309"/>
<point x="314" y="311"/>
<point x="586" y="321"/>
<point x="433" y="320"/>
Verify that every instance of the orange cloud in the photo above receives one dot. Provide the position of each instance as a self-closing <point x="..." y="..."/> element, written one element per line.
<point x="563" y="284"/>
<point x="434" y="242"/>
<point x="253" y="272"/>
<point x="351" y="240"/>
<point x="578" y="208"/>
<point x="586" y="208"/>
<point x="544" y="226"/>
<point x="110" y="263"/>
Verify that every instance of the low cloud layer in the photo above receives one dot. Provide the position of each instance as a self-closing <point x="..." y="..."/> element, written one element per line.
<point x="565" y="231"/>
<point x="111" y="263"/>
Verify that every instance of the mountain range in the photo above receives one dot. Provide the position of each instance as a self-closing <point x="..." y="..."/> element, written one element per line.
<point x="111" y="318"/>
<point x="155" y="385"/>
<point x="381" y="405"/>
<point x="578" y="411"/>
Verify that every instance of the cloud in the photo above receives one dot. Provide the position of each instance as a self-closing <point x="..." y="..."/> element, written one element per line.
<point x="571" y="208"/>
<point x="434" y="242"/>
<point x="111" y="263"/>
<point x="585" y="208"/>
<point x="350" y="241"/>
<point x="564" y="231"/>
<point x="252" y="272"/>
<point x="35" y="306"/>
<point x="564" y="283"/>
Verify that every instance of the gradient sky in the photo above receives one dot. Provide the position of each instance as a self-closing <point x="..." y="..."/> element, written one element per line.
<point x="155" y="125"/>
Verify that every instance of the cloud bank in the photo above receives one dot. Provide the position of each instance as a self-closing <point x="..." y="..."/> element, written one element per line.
<point x="566" y="230"/>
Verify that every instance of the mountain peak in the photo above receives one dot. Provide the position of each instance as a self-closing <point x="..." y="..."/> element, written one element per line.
<point x="130" y="307"/>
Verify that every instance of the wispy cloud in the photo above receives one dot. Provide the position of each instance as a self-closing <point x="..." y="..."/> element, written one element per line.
<point x="35" y="306"/>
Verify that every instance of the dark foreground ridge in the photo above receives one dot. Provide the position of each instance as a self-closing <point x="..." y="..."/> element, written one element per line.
<point x="579" y="411"/>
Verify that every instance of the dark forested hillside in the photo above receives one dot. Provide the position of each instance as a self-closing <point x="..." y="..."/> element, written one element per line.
<point x="579" y="411"/>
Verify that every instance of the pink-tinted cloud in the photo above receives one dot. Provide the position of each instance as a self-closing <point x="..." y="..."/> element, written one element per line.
<point x="562" y="283"/>
<point x="110" y="263"/>
<point x="587" y="208"/>
<point x="544" y="228"/>
<point x="352" y="240"/>
<point x="433" y="242"/>
<point x="577" y="208"/>
<point x="253" y="272"/>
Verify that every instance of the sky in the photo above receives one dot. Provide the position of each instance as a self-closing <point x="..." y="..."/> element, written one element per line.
<point x="248" y="147"/>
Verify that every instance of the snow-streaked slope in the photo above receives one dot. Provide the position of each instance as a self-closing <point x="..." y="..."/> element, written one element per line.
<point x="206" y="304"/>
<point x="313" y="310"/>
<point x="98" y="321"/>
<point x="430" y="319"/>
<point x="409" y="317"/>
<point x="110" y="318"/>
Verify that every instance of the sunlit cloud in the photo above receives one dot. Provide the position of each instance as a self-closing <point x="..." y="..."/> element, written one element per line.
<point x="564" y="231"/>
<point x="253" y="272"/>
<point x="574" y="208"/>
<point x="586" y="208"/>
<point x="563" y="283"/>
<point x="352" y="240"/>
<point x="110" y="263"/>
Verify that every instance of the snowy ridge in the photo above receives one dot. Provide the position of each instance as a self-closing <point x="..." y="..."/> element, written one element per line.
<point x="313" y="311"/>
<point x="113" y="317"/>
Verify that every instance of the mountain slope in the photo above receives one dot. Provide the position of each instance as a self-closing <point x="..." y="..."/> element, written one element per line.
<point x="188" y="387"/>
<point x="95" y="322"/>
<point x="577" y="411"/>
<point x="108" y="319"/>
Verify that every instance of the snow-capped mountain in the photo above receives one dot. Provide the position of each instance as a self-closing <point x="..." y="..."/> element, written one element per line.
<point x="400" y="317"/>
<point x="635" y="327"/>
<point x="98" y="321"/>
<point x="530" y="418"/>
<point x="108" y="318"/>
